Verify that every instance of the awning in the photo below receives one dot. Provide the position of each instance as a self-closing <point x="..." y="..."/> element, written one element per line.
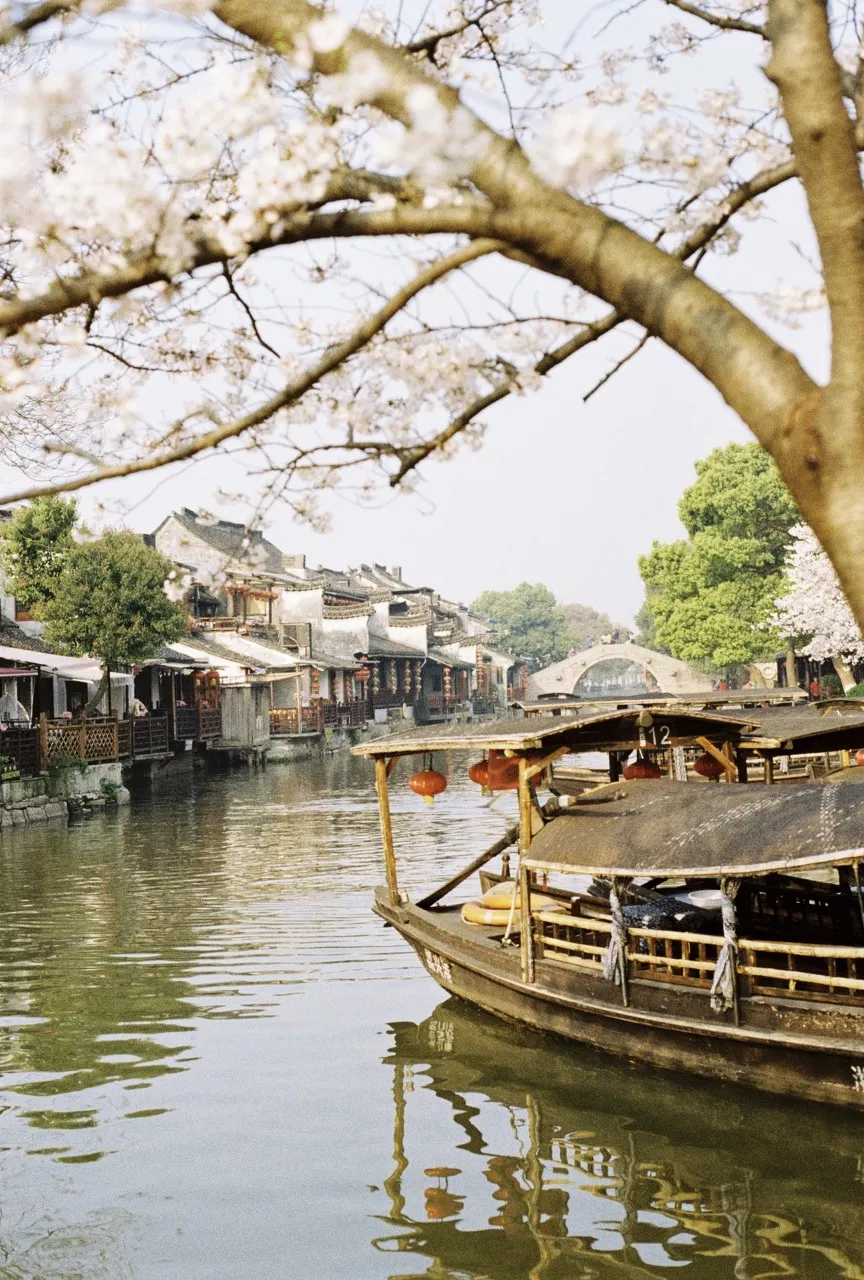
<point x="658" y="828"/>
<point x="61" y="664"/>
<point x="12" y="673"/>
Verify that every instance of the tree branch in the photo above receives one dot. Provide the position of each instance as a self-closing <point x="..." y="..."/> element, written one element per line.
<point x="810" y="83"/>
<point x="429" y="44"/>
<point x="206" y="248"/>
<point x="758" y="185"/>
<point x="717" y="20"/>
<point x="331" y="360"/>
<point x="761" y="380"/>
<point x="37" y="16"/>
<point x="545" y="365"/>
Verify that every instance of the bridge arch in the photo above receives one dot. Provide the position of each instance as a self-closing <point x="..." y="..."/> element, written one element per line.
<point x="660" y="673"/>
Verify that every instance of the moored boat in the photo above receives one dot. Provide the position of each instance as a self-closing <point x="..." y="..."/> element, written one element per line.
<point x="715" y="927"/>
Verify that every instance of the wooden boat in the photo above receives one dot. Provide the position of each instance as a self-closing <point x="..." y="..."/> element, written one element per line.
<point x="716" y="929"/>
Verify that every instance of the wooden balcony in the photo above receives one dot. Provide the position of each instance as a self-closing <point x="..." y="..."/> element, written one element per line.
<point x="434" y="706"/>
<point x="209" y="723"/>
<point x="284" y="721"/>
<point x="197" y="724"/>
<point x="388" y="698"/>
<point x="20" y="746"/>
<point x="97" y="740"/>
<point x="150" y="737"/>
<point x="318" y="716"/>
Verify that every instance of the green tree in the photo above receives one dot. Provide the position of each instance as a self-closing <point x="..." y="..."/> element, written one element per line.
<point x="526" y="621"/>
<point x="584" y="623"/>
<point x="711" y="596"/>
<point x="110" y="602"/>
<point x="34" y="547"/>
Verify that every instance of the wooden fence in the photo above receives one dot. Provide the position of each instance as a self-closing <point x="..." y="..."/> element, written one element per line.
<point x="20" y="744"/>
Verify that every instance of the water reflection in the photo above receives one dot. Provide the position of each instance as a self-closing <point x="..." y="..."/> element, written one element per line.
<point x="214" y="900"/>
<point x="517" y="1157"/>
<point x="195" y="1078"/>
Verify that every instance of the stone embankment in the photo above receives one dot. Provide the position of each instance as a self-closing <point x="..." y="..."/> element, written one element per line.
<point x="61" y="796"/>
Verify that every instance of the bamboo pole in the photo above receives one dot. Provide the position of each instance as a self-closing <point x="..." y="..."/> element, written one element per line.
<point x="386" y="829"/>
<point x="526" y="935"/>
<point x="499" y="846"/>
<point x="856" y="869"/>
<point x="526" y="931"/>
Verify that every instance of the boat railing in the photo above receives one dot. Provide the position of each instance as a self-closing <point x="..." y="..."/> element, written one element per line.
<point x="771" y="968"/>
<point x="573" y="941"/>
<point x="805" y="970"/>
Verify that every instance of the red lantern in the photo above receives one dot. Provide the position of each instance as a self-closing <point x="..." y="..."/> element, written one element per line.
<point x="859" y="756"/>
<point x="502" y="772"/>
<point x="708" y="766"/>
<point x="642" y="768"/>
<point x="428" y="783"/>
<point x="479" y="773"/>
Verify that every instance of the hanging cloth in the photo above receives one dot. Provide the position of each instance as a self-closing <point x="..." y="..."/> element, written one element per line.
<point x="723" y="984"/>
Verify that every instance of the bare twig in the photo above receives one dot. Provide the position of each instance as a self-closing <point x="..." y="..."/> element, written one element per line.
<point x="717" y="20"/>
<point x="333" y="358"/>
<point x="610" y="373"/>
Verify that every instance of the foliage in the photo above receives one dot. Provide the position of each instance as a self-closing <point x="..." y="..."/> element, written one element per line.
<point x="832" y="686"/>
<point x="646" y="624"/>
<point x="584" y="624"/>
<point x="857" y="691"/>
<point x="713" y="596"/>
<point x="34" y="547"/>
<point x="526" y="622"/>
<point x="815" y="604"/>
<point x="111" y="602"/>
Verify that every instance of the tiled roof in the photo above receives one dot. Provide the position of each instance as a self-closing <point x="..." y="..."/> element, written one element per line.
<point x="15" y="638"/>
<point x="234" y="540"/>
<point x="384" y="647"/>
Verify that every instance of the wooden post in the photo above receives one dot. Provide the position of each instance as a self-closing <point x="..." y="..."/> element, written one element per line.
<point x="298" y="699"/>
<point x="526" y="935"/>
<point x="741" y="759"/>
<point x="43" y="742"/>
<point x="769" y="769"/>
<point x="386" y="828"/>
<point x="857" y="869"/>
<point x="82" y="740"/>
<point x="845" y="759"/>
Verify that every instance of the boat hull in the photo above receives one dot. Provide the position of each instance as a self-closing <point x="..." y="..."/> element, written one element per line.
<point x="819" y="1068"/>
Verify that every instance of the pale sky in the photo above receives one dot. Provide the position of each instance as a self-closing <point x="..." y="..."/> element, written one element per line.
<point x="562" y="492"/>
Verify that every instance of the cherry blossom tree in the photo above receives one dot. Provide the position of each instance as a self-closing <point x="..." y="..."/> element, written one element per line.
<point x="469" y="208"/>
<point x="815" y="606"/>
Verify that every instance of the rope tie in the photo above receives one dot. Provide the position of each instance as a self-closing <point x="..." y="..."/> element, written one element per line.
<point x="724" y="982"/>
<point x="615" y="955"/>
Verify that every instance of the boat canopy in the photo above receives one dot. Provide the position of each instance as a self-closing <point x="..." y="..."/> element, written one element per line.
<point x="805" y="730"/>
<point x="658" y="828"/>
<point x="590" y="730"/>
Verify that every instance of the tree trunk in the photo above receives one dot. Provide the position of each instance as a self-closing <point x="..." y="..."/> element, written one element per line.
<point x="104" y="683"/>
<point x="791" y="666"/>
<point x="757" y="679"/>
<point x="846" y="677"/>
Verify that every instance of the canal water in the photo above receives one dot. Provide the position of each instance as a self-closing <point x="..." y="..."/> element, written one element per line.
<point x="215" y="1063"/>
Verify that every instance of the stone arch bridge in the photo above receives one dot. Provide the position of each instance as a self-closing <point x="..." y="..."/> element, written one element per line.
<point x="660" y="673"/>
